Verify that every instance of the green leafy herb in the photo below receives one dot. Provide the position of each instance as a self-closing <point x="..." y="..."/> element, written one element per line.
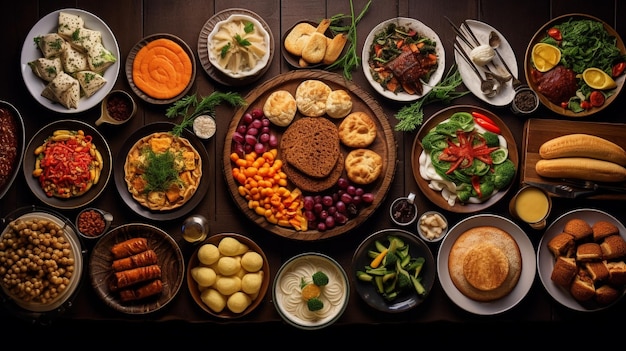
<point x="248" y="28"/>
<point x="225" y="49"/>
<point x="411" y="116"/>
<point x="161" y="171"/>
<point x="189" y="107"/>
<point x="351" y="59"/>
<point x="242" y="41"/>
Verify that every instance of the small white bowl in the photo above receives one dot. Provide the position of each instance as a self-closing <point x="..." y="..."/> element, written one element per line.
<point x="286" y="291"/>
<point x="424" y="235"/>
<point x="215" y="49"/>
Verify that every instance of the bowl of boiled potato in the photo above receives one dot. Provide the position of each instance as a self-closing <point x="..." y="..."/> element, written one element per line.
<point x="228" y="275"/>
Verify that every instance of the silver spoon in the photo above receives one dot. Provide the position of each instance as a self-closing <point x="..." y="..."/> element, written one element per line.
<point x="489" y="86"/>
<point x="494" y="42"/>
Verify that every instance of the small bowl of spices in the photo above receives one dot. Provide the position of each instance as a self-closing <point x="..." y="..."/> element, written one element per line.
<point x="403" y="210"/>
<point x="93" y="222"/>
<point x="118" y="107"/>
<point x="525" y="101"/>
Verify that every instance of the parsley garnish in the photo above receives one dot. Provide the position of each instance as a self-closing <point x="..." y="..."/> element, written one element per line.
<point x="224" y="50"/>
<point x="242" y="41"/>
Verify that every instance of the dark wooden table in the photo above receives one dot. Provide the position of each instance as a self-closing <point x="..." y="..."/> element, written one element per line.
<point x="131" y="20"/>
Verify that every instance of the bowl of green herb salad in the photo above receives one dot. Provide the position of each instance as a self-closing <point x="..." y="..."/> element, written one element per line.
<point x="576" y="64"/>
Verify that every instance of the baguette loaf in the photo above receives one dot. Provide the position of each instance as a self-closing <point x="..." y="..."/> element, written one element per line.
<point x="583" y="145"/>
<point x="581" y="168"/>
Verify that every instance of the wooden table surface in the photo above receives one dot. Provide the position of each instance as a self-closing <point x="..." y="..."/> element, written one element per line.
<point x="131" y="20"/>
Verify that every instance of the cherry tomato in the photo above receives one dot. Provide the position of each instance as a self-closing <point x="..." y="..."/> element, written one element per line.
<point x="596" y="98"/>
<point x="585" y="104"/>
<point x="564" y="104"/>
<point x="618" y="69"/>
<point x="555" y="33"/>
<point x="486" y="122"/>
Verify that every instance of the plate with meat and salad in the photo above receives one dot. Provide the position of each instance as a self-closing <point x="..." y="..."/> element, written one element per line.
<point x="67" y="164"/>
<point x="576" y="64"/>
<point x="403" y="59"/>
<point x="464" y="159"/>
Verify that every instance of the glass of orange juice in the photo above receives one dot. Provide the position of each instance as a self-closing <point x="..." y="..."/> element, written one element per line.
<point x="531" y="205"/>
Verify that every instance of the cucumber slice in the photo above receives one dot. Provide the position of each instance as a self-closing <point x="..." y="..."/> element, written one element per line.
<point x="499" y="156"/>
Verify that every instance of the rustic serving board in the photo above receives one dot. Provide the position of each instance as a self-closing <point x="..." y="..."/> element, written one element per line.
<point x="384" y="144"/>
<point x="538" y="131"/>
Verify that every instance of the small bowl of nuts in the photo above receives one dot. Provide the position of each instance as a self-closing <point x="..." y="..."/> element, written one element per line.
<point x="92" y="223"/>
<point x="432" y="226"/>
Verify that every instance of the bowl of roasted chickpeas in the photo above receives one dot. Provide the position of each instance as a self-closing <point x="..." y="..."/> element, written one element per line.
<point x="40" y="241"/>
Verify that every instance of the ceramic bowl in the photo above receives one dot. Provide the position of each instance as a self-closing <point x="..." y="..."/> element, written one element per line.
<point x="432" y="226"/>
<point x="287" y="291"/>
<point x="118" y="107"/>
<point x="92" y="223"/>
<point x="9" y="113"/>
<point x="215" y="294"/>
<point x="215" y="46"/>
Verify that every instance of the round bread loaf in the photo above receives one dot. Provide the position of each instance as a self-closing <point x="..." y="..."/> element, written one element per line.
<point x="363" y="166"/>
<point x="311" y="97"/>
<point x="280" y="108"/>
<point x="312" y="184"/>
<point x="469" y="271"/>
<point x="311" y="145"/>
<point x="357" y="130"/>
<point x="338" y="104"/>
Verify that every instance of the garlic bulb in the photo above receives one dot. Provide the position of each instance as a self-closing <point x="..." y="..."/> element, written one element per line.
<point x="482" y="54"/>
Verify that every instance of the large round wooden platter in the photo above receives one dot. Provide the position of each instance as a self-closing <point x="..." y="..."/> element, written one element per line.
<point x="384" y="144"/>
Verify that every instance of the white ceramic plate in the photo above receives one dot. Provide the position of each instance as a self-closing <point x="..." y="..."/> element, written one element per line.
<point x="545" y="259"/>
<point x="30" y="52"/>
<point x="526" y="278"/>
<point x="481" y="31"/>
<point x="423" y="30"/>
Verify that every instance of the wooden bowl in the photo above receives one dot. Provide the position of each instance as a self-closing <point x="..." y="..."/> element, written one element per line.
<point x="196" y="292"/>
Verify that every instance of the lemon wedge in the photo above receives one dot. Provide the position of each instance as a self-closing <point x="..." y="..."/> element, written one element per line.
<point x="545" y="56"/>
<point x="598" y="79"/>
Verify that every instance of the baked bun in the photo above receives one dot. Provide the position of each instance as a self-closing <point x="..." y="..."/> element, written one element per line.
<point x="485" y="263"/>
<point x="588" y="252"/>
<point x="598" y="270"/>
<point x="606" y="294"/>
<point x="357" y="130"/>
<point x="564" y="271"/>
<point x="562" y="244"/>
<point x="582" y="288"/>
<point x="578" y="228"/>
<point x="602" y="229"/>
<point x="338" y="103"/>
<point x="613" y="247"/>
<point x="363" y="166"/>
<point x="280" y="108"/>
<point x="298" y="37"/>
<point x="311" y="97"/>
<point x="617" y="272"/>
<point x="315" y="48"/>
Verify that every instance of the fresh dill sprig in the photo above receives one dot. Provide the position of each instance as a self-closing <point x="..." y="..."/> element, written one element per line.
<point x="189" y="108"/>
<point x="412" y="116"/>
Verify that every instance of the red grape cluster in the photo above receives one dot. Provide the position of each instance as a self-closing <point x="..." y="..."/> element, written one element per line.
<point x="254" y="134"/>
<point x="324" y="212"/>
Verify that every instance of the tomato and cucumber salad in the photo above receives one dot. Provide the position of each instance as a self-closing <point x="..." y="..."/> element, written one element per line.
<point x="469" y="155"/>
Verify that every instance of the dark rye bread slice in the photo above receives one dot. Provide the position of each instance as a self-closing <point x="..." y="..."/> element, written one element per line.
<point x="311" y="144"/>
<point x="311" y="184"/>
